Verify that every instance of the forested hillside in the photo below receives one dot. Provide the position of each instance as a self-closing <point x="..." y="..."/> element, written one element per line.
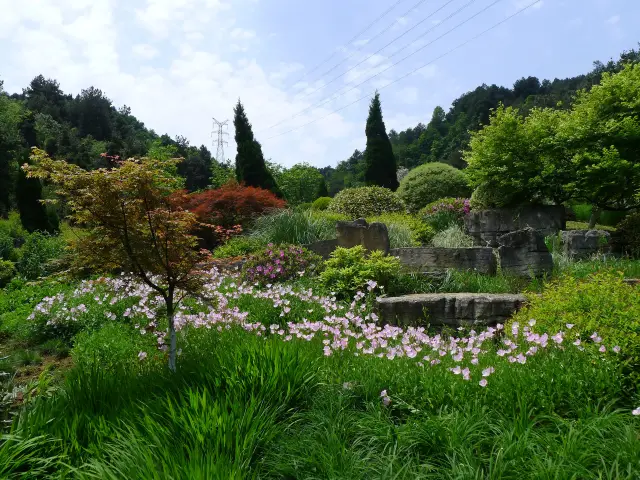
<point x="446" y="135"/>
<point x="79" y="129"/>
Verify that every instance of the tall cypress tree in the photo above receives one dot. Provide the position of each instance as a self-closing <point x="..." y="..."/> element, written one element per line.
<point x="380" y="163"/>
<point x="251" y="168"/>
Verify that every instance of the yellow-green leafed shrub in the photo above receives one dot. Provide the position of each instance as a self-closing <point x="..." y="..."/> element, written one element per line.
<point x="430" y="182"/>
<point x="321" y="203"/>
<point x="349" y="269"/>
<point x="601" y="304"/>
<point x="7" y="272"/>
<point x="417" y="231"/>
<point x="362" y="202"/>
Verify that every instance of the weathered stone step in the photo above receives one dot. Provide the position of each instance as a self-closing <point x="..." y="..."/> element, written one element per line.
<point x="448" y="309"/>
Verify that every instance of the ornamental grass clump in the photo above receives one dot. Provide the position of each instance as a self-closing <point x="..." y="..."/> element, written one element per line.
<point x="280" y="263"/>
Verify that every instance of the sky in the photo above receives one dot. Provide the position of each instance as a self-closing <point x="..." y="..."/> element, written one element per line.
<point x="305" y="70"/>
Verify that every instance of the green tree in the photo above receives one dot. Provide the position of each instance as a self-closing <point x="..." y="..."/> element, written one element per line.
<point x="301" y="183"/>
<point x="379" y="159"/>
<point x="131" y="224"/>
<point x="251" y="168"/>
<point x="10" y="148"/>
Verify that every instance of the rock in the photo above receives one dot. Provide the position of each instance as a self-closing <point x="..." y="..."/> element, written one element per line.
<point x="448" y="309"/>
<point x="634" y="282"/>
<point x="485" y="226"/>
<point x="359" y="232"/>
<point x="523" y="253"/>
<point x="585" y="243"/>
<point x="324" y="248"/>
<point x="425" y="259"/>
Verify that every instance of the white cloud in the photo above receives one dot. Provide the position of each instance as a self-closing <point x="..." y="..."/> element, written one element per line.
<point x="614" y="20"/>
<point x="242" y="34"/>
<point x="144" y="50"/>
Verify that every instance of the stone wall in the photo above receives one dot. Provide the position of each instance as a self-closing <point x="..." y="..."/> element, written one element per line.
<point x="448" y="309"/>
<point x="373" y="236"/>
<point x="485" y="226"/>
<point x="523" y="253"/>
<point x="426" y="259"/>
<point x="324" y="248"/>
<point x="585" y="243"/>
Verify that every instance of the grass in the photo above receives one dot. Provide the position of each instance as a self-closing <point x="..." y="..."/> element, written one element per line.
<point x="248" y="406"/>
<point x="585" y="226"/>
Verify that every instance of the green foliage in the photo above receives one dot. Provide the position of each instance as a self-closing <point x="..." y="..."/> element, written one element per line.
<point x="278" y="263"/>
<point x="349" y="269"/>
<point x="300" y="183"/>
<point x="297" y="227"/>
<point x="405" y="230"/>
<point x="430" y="182"/>
<point x="251" y="169"/>
<point x="365" y="201"/>
<point x="629" y="230"/>
<point x="379" y="160"/>
<point x="452" y="237"/>
<point x="601" y="303"/>
<point x="7" y="251"/>
<point x="7" y="272"/>
<point x="36" y="253"/>
<point x="606" y="218"/>
<point x="321" y="203"/>
<point x="239" y="246"/>
<point x="445" y="212"/>
<point x="112" y="347"/>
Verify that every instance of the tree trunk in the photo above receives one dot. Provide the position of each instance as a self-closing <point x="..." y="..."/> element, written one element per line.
<point x="172" y="334"/>
<point x="595" y="216"/>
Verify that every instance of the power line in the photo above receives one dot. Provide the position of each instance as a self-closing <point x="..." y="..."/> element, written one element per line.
<point x="334" y="96"/>
<point x="412" y="71"/>
<point x="355" y="37"/>
<point x="377" y="51"/>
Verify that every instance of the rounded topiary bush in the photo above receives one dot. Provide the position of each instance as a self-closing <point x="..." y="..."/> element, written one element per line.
<point x="366" y="201"/>
<point x="431" y="181"/>
<point x="321" y="203"/>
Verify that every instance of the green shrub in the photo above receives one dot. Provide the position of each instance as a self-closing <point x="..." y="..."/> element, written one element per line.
<point x="239" y="247"/>
<point x="36" y="252"/>
<point x="629" y="230"/>
<point x="349" y="269"/>
<point x="293" y="227"/>
<point x="444" y="212"/>
<point x="110" y="348"/>
<point x="321" y="203"/>
<point x="7" y="272"/>
<point x="607" y="218"/>
<point x="304" y="206"/>
<point x="405" y="230"/>
<point x="7" y="252"/>
<point x="484" y="197"/>
<point x="280" y="263"/>
<point x="431" y="181"/>
<point x="362" y="202"/>
<point x="12" y="226"/>
<point x="452" y="237"/>
<point x="601" y="303"/>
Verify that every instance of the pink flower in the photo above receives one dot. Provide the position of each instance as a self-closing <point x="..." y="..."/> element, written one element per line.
<point x="602" y="349"/>
<point x="636" y="412"/>
<point x="616" y="349"/>
<point x="483" y="382"/>
<point x="142" y="356"/>
<point x="487" y="371"/>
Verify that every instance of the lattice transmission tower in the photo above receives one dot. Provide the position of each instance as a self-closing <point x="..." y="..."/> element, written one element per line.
<point x="220" y="142"/>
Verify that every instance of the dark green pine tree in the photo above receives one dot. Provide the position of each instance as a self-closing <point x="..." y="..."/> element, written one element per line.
<point x="251" y="168"/>
<point x="33" y="214"/>
<point x="322" y="189"/>
<point x="380" y="163"/>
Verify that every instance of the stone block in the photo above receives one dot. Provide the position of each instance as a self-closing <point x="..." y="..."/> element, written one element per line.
<point x="426" y="259"/>
<point x="585" y="243"/>
<point x="485" y="226"/>
<point x="373" y="237"/>
<point x="523" y="253"/>
<point x="324" y="248"/>
<point x="448" y="309"/>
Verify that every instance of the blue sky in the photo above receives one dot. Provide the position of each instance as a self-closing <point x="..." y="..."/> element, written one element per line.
<point x="177" y="63"/>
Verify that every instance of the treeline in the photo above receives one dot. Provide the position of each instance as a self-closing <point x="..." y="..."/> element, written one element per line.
<point x="446" y="135"/>
<point x="79" y="129"/>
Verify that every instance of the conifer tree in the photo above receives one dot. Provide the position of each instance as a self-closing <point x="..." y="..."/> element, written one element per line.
<point x="251" y="168"/>
<point x="33" y="214"/>
<point x="380" y="163"/>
